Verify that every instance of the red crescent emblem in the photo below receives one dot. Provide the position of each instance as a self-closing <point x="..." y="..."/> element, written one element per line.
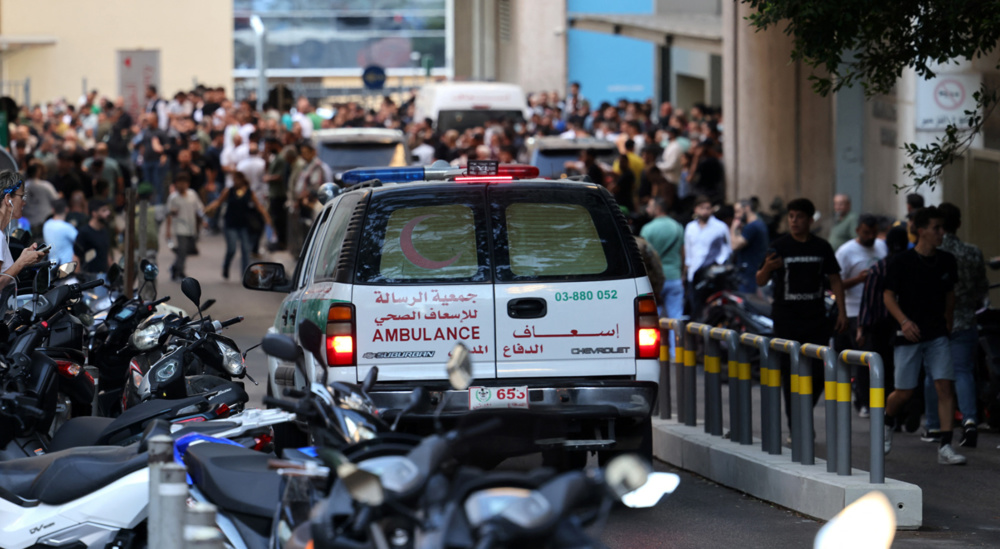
<point x="411" y="253"/>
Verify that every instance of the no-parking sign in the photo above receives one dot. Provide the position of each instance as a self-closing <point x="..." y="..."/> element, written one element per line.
<point x="943" y="100"/>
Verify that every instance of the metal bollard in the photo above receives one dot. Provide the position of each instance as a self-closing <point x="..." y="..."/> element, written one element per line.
<point x="791" y="348"/>
<point x="199" y="527"/>
<point x="713" y="380"/>
<point x="770" y="393"/>
<point x="690" y="377"/>
<point x="808" y="443"/>
<point x="876" y="407"/>
<point x="743" y="391"/>
<point x="172" y="493"/>
<point x="733" y="369"/>
<point x="663" y="398"/>
<point x="160" y="451"/>
<point x="829" y="358"/>
<point x="679" y="331"/>
<point x="844" y="413"/>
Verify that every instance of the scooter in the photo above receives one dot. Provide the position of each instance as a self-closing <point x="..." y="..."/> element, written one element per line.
<point x="95" y="497"/>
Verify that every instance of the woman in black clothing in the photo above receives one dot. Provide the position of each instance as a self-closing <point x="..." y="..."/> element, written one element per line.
<point x="240" y="206"/>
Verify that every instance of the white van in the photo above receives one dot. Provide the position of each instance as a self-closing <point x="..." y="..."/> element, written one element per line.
<point x="462" y="105"/>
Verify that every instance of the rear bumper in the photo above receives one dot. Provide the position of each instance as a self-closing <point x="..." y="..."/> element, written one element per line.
<point x="554" y="399"/>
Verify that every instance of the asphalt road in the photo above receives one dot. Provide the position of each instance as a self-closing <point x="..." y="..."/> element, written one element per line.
<point x="960" y="507"/>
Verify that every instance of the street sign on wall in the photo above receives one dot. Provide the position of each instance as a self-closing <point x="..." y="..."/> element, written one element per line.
<point x="136" y="70"/>
<point x="944" y="99"/>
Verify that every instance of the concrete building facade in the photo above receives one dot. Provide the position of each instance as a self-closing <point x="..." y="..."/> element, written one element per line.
<point x="82" y="39"/>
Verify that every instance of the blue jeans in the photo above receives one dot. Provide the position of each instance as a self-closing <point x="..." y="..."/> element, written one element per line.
<point x="237" y="237"/>
<point x="672" y="304"/>
<point x="963" y="357"/>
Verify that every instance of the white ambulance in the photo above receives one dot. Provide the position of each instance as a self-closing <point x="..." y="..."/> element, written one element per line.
<point x="540" y="279"/>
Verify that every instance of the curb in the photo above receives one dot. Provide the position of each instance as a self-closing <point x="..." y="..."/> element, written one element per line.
<point x="807" y="489"/>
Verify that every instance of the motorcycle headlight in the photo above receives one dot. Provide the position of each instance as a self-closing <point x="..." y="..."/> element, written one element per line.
<point x="146" y="338"/>
<point x="166" y="370"/>
<point x="232" y="360"/>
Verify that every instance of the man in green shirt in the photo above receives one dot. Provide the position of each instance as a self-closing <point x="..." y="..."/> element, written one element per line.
<point x="666" y="236"/>
<point x="844" y="222"/>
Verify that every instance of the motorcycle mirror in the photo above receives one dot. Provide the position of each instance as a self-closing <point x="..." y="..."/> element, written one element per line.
<point x="246" y="352"/>
<point x="311" y="338"/>
<point x="281" y="346"/>
<point x="459" y="368"/>
<point x="208" y="303"/>
<point x="114" y="273"/>
<point x="150" y="271"/>
<point x="868" y="522"/>
<point x="41" y="284"/>
<point x="649" y="494"/>
<point x="626" y="473"/>
<point x="417" y="397"/>
<point x="67" y="269"/>
<point x="192" y="290"/>
<point x="370" y="380"/>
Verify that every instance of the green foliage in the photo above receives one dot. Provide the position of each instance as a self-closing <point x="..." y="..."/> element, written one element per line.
<point x="871" y="42"/>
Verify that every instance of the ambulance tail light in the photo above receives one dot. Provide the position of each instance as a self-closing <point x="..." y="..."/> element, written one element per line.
<point x="341" y="333"/>
<point x="647" y="328"/>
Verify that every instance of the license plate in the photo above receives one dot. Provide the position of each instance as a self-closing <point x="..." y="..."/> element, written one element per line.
<point x="498" y="397"/>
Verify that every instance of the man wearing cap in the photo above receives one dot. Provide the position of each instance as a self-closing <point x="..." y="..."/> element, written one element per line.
<point x="93" y="243"/>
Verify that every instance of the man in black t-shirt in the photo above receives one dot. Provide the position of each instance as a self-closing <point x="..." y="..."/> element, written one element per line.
<point x="800" y="265"/>
<point x="93" y="242"/>
<point x="920" y="295"/>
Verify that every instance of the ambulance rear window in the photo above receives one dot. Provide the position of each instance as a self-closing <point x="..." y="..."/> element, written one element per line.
<point x="555" y="234"/>
<point x="426" y="239"/>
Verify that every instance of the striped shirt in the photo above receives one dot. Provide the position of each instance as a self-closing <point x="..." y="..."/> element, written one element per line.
<point x="873" y="308"/>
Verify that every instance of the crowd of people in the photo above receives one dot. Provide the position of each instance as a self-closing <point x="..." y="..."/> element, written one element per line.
<point x="214" y="164"/>
<point x="908" y="290"/>
<point x="211" y="164"/>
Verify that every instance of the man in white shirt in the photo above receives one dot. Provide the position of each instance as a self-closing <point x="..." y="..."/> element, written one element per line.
<point x="184" y="209"/>
<point x="855" y="257"/>
<point x="253" y="167"/>
<point x="231" y="157"/>
<point x="301" y="115"/>
<point x="670" y="162"/>
<point x="706" y="242"/>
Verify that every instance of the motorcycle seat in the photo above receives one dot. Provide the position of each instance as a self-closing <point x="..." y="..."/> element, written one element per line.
<point x="757" y="304"/>
<point x="134" y="420"/>
<point x="79" y="431"/>
<point x="234" y="478"/>
<point x="63" y="476"/>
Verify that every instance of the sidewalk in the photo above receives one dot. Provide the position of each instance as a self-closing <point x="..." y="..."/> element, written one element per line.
<point x="957" y="499"/>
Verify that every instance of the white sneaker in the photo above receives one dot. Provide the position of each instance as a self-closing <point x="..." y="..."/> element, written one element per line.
<point x="888" y="439"/>
<point x="863" y="412"/>
<point x="947" y="456"/>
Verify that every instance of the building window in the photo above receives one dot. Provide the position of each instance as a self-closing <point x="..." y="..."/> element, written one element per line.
<point x="310" y="38"/>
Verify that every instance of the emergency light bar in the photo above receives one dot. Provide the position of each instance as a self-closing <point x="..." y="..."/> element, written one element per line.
<point x="438" y="171"/>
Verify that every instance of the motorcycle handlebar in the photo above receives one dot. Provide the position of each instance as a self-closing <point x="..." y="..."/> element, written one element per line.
<point x="159" y="301"/>
<point x="92" y="284"/>
<point x="231" y="321"/>
<point x="38" y="265"/>
<point x="286" y="405"/>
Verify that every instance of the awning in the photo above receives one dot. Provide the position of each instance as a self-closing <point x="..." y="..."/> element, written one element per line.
<point x="693" y="31"/>
<point x="14" y="43"/>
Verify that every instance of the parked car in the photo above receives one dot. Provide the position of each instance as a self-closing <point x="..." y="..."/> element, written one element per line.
<point x="540" y="279"/>
<point x="550" y="154"/>
<point x="347" y="148"/>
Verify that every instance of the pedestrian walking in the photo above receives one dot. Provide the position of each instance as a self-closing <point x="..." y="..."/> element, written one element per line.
<point x="845" y="222"/>
<point x="666" y="236"/>
<point x="971" y="288"/>
<point x="93" y="242"/>
<point x="920" y="295"/>
<point x="750" y="240"/>
<point x="799" y="265"/>
<point x="59" y="233"/>
<point x="184" y="213"/>
<point x="240" y="202"/>
<point x="856" y="257"/>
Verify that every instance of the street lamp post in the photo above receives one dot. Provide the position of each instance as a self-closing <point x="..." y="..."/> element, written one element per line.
<point x="258" y="28"/>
